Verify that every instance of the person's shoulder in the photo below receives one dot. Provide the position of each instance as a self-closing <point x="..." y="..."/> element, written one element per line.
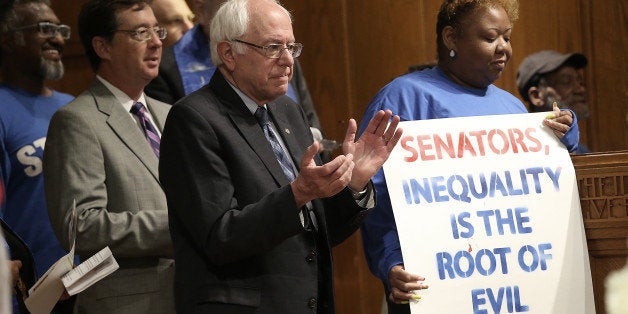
<point x="60" y="98"/>
<point x="7" y="95"/>
<point x="203" y="101"/>
<point x="79" y="104"/>
<point x="496" y="91"/>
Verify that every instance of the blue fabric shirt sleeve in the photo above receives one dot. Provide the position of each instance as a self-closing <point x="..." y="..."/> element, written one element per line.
<point x="379" y="234"/>
<point x="572" y="136"/>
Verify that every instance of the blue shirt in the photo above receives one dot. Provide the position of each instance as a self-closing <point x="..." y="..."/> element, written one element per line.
<point x="24" y="120"/>
<point x="427" y="94"/>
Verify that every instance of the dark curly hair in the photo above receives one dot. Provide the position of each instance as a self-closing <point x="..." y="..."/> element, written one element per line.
<point x="453" y="12"/>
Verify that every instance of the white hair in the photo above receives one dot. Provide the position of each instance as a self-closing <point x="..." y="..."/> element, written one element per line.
<point x="230" y="22"/>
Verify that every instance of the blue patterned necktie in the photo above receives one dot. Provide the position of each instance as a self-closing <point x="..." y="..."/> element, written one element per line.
<point x="152" y="136"/>
<point x="261" y="115"/>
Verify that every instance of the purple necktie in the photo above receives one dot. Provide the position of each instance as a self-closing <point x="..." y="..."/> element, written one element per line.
<point x="152" y="136"/>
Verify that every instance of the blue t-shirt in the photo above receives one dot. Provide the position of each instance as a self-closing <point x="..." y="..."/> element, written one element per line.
<point x="24" y="120"/>
<point x="427" y="94"/>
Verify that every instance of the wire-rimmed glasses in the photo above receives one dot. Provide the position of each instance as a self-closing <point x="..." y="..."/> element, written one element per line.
<point x="274" y="51"/>
<point x="143" y="34"/>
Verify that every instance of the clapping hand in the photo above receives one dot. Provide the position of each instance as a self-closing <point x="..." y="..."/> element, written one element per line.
<point x="373" y="147"/>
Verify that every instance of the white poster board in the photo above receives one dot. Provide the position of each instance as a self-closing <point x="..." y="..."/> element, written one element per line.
<point x="487" y="210"/>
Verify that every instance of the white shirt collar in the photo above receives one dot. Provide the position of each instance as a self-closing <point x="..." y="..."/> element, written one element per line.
<point x="122" y="98"/>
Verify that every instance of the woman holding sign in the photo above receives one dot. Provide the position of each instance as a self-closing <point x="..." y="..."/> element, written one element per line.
<point x="473" y="38"/>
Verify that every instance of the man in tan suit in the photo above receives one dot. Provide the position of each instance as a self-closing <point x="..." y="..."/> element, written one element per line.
<point x="103" y="149"/>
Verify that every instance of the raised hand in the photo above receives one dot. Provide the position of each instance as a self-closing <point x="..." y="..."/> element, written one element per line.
<point x="373" y="147"/>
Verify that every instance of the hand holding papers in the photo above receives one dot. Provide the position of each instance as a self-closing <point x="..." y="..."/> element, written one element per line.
<point x="62" y="275"/>
<point x="90" y="271"/>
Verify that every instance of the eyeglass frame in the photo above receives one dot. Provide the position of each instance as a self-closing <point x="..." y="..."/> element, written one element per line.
<point x="40" y="29"/>
<point x="265" y="49"/>
<point x="135" y="33"/>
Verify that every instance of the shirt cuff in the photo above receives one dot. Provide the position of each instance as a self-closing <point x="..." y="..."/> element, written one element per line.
<point x="366" y="197"/>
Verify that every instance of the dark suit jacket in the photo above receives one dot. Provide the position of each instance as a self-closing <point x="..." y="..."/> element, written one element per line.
<point x="233" y="218"/>
<point x="168" y="86"/>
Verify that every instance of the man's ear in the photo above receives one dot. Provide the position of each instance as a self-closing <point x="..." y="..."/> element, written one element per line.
<point x="536" y="96"/>
<point x="450" y="36"/>
<point x="102" y="47"/>
<point x="227" y="54"/>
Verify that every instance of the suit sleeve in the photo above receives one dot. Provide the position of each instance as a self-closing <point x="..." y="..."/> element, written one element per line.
<point x="75" y="168"/>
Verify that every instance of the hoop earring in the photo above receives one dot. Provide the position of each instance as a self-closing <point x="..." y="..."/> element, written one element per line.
<point x="452" y="53"/>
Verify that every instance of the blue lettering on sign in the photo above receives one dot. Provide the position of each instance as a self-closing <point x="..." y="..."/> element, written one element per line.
<point x="508" y="296"/>
<point x="485" y="261"/>
<point x="466" y="188"/>
<point x="536" y="257"/>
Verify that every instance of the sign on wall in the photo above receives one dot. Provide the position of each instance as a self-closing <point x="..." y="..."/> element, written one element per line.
<point x="487" y="211"/>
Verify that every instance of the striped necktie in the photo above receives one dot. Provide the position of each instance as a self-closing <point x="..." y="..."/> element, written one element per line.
<point x="261" y="115"/>
<point x="152" y="136"/>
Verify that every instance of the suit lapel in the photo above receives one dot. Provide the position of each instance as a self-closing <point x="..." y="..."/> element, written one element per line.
<point x="247" y="126"/>
<point x="123" y="126"/>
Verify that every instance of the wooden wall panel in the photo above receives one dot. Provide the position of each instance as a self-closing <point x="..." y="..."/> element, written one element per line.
<point x="606" y="45"/>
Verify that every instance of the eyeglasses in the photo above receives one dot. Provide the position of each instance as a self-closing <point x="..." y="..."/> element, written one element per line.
<point x="146" y="33"/>
<point x="48" y="30"/>
<point x="274" y="51"/>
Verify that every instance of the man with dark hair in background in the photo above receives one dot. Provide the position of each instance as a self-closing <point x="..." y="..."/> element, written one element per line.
<point x="31" y="45"/>
<point x="548" y="76"/>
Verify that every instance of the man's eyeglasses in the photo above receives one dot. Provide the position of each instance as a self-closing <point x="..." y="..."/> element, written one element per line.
<point x="146" y="33"/>
<point x="274" y="51"/>
<point x="48" y="30"/>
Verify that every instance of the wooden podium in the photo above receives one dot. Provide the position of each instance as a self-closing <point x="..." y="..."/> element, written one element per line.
<point x="603" y="188"/>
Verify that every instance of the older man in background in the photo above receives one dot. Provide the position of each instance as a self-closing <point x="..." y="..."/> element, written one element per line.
<point x="175" y="16"/>
<point x="549" y="76"/>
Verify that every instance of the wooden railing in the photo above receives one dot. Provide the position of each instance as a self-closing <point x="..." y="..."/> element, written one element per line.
<point x="603" y="188"/>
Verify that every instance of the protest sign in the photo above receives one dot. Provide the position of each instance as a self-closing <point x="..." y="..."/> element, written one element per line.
<point x="487" y="210"/>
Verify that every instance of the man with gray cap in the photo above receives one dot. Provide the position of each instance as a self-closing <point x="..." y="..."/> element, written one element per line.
<point x="548" y="76"/>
